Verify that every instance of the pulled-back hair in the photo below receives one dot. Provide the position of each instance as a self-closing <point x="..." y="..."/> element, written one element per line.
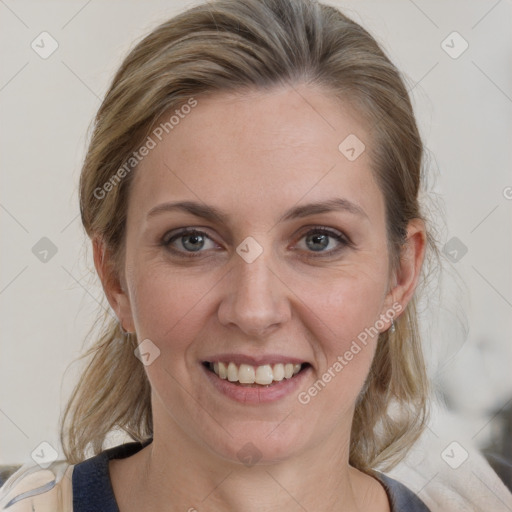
<point x="237" y="45"/>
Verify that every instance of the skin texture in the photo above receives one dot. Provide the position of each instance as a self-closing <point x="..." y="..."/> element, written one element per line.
<point x="255" y="155"/>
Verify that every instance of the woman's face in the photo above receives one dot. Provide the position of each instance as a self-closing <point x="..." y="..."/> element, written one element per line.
<point x="288" y="265"/>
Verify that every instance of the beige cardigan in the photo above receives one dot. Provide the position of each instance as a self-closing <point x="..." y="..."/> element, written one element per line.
<point x="53" y="483"/>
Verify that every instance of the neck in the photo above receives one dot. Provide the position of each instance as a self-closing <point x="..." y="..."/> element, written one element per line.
<point x="175" y="475"/>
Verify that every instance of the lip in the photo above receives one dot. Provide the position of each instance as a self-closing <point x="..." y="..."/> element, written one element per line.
<point x="257" y="395"/>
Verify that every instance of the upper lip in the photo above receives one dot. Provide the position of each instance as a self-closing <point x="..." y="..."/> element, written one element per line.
<point x="260" y="360"/>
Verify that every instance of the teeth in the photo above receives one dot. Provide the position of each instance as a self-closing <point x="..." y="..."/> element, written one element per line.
<point x="264" y="374"/>
<point x="248" y="374"/>
<point x="232" y="372"/>
<point x="223" y="371"/>
<point x="278" y="371"/>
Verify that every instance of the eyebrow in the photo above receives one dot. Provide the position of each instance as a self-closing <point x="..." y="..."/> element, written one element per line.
<point x="214" y="214"/>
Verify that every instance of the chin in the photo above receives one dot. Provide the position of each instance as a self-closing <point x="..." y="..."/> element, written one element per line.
<point x="254" y="445"/>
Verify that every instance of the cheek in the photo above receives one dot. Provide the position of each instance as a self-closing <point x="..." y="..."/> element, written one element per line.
<point x="168" y="304"/>
<point x="344" y="302"/>
<point x="341" y="313"/>
<point x="340" y="303"/>
<point x="358" y="304"/>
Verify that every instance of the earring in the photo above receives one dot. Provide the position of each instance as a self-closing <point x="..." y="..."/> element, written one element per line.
<point x="121" y="328"/>
<point x="392" y="329"/>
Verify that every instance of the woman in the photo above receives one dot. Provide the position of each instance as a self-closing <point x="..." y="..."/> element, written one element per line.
<point x="251" y="194"/>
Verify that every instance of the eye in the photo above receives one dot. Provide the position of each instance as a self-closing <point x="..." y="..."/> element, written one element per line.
<point x="325" y="241"/>
<point x="188" y="241"/>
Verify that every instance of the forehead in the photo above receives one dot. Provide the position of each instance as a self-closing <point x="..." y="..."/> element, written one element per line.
<point x="258" y="151"/>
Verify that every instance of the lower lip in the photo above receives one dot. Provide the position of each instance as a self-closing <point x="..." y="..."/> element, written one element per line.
<point x="256" y="395"/>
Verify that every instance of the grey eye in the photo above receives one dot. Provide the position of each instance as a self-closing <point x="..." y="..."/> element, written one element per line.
<point x="318" y="242"/>
<point x="188" y="242"/>
<point x="193" y="242"/>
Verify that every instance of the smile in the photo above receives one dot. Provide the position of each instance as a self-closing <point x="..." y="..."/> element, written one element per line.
<point x="246" y="374"/>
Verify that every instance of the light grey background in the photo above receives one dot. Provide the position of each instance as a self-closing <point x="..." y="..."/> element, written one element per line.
<point x="464" y="108"/>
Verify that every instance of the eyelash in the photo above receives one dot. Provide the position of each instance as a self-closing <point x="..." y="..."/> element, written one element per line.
<point x="339" y="237"/>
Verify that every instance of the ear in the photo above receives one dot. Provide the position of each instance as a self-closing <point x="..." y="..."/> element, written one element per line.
<point x="112" y="286"/>
<point x="408" y="272"/>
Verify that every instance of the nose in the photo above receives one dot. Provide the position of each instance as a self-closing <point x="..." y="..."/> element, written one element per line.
<point x="255" y="299"/>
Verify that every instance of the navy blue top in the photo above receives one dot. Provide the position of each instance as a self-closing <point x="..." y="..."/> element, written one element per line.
<point x="93" y="492"/>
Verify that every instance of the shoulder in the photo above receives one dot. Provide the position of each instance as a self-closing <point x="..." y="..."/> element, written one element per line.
<point x="401" y="498"/>
<point x="60" y="485"/>
<point x="34" y="489"/>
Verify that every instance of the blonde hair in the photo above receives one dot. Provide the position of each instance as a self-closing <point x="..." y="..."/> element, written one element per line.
<point x="232" y="45"/>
